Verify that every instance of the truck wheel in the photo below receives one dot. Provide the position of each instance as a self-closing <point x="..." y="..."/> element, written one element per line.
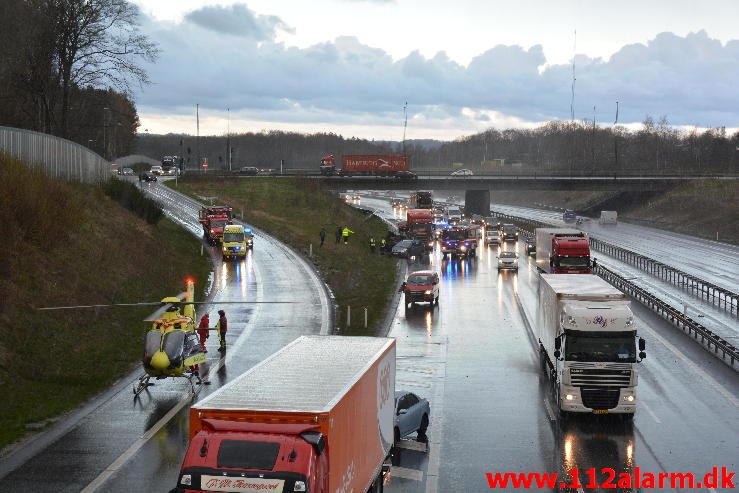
<point x="436" y="301"/>
<point x="396" y="437"/>
<point x="424" y="425"/>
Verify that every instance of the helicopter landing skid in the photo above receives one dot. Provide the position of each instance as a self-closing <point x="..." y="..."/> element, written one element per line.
<point x="143" y="383"/>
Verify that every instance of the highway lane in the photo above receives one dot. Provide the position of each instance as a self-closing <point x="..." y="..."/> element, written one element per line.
<point x="491" y="410"/>
<point x="710" y="260"/>
<point x="271" y="272"/>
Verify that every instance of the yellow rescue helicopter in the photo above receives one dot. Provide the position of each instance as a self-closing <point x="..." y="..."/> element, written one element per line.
<point x="171" y="345"/>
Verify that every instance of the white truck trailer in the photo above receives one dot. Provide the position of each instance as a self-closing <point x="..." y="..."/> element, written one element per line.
<point x="588" y="344"/>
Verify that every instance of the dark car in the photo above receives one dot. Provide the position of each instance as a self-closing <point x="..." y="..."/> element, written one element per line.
<point x="147" y="176"/>
<point x="249" y="171"/>
<point x="530" y="247"/>
<point x="406" y="175"/>
<point x="408" y="249"/>
<point x="569" y="216"/>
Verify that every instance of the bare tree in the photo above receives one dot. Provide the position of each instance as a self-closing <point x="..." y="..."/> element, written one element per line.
<point x="98" y="43"/>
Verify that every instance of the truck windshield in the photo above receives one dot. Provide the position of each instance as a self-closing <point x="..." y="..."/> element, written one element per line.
<point x="218" y="224"/>
<point x="243" y="454"/>
<point x="421" y="228"/>
<point x="509" y="229"/>
<point x="233" y="237"/>
<point x="455" y="234"/>
<point x="574" y="262"/>
<point x="600" y="346"/>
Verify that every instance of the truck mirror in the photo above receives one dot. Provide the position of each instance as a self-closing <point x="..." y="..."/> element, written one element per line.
<point x="316" y="439"/>
<point x="557" y="344"/>
<point x="642" y="355"/>
<point x="642" y="344"/>
<point x="557" y="354"/>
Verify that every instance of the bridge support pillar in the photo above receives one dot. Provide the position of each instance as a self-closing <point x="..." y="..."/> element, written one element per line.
<point x="477" y="202"/>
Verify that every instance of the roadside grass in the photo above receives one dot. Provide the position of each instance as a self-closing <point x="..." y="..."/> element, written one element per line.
<point x="294" y="210"/>
<point x="68" y="244"/>
<point x="701" y="208"/>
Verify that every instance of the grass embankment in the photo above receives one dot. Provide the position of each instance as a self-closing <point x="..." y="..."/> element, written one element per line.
<point x="68" y="244"/>
<point x="701" y="208"/>
<point x="294" y="211"/>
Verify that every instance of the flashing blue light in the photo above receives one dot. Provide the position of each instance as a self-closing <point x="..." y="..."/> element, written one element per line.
<point x="247" y="230"/>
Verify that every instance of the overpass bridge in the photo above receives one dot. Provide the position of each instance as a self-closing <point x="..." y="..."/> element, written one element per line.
<point x="613" y="182"/>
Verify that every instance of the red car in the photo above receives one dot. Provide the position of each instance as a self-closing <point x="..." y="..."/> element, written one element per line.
<point x="421" y="287"/>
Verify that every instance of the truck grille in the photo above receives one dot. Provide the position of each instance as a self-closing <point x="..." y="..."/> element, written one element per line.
<point x="584" y="374"/>
<point x="599" y="398"/>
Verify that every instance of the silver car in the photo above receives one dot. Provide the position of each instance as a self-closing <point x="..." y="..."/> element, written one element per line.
<point x="508" y="260"/>
<point x="411" y="414"/>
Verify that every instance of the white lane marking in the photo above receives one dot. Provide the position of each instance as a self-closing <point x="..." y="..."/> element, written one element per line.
<point x="412" y="445"/>
<point x="695" y="368"/>
<point x="434" y="445"/>
<point x="131" y="451"/>
<point x="406" y="473"/>
<point x="712" y="490"/>
<point x="652" y="413"/>
<point x="548" y="407"/>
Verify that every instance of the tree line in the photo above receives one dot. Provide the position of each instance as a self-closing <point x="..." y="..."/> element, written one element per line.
<point x="68" y="67"/>
<point x="557" y="146"/>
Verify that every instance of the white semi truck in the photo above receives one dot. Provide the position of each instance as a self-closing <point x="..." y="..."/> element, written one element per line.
<point x="588" y="344"/>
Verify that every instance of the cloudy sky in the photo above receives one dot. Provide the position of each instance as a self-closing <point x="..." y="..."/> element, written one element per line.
<point x="348" y="66"/>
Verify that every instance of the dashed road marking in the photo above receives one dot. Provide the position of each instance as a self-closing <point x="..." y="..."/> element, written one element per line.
<point x="412" y="445"/>
<point x="652" y="413"/>
<point x="406" y="473"/>
<point x="548" y="407"/>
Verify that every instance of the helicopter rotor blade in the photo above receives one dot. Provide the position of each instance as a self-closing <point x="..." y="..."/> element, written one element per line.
<point x="110" y="305"/>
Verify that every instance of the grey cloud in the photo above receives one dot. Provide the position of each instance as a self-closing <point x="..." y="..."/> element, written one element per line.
<point x="691" y="79"/>
<point x="238" y="20"/>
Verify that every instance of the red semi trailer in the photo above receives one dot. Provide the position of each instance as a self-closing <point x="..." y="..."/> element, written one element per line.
<point x="366" y="165"/>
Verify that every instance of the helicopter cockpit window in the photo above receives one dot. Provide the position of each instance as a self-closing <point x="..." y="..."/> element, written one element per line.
<point x="151" y="343"/>
<point x="173" y="343"/>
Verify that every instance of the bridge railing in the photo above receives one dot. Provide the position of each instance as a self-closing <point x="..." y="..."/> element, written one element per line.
<point x="58" y="158"/>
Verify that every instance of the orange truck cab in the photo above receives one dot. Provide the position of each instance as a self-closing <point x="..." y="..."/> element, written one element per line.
<point x="420" y="226"/>
<point x="316" y="417"/>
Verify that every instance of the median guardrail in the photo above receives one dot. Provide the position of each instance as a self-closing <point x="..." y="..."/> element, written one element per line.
<point x="716" y="344"/>
<point x="722" y="297"/>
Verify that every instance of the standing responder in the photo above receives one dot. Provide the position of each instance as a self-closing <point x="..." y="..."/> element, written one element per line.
<point x="338" y="234"/>
<point x="345" y="234"/>
<point x="222" y="327"/>
<point x="203" y="331"/>
<point x="323" y="235"/>
<point x="383" y="246"/>
<point x="372" y="244"/>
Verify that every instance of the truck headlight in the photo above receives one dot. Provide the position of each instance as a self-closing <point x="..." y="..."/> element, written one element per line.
<point x="299" y="486"/>
<point x="629" y="398"/>
<point x="428" y="291"/>
<point x="463" y="248"/>
<point x="569" y="397"/>
<point x="186" y="480"/>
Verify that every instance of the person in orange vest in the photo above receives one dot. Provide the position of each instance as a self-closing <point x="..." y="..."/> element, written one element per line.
<point x="203" y="330"/>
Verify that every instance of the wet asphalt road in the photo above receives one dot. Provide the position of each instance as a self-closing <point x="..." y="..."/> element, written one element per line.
<point x="270" y="273"/>
<point x="491" y="411"/>
<point x="472" y="357"/>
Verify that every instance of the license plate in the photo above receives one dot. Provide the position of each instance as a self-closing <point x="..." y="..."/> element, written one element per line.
<point x="600" y="411"/>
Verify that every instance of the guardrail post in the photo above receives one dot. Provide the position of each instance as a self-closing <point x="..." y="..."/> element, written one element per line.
<point x="365" y="317"/>
<point x="348" y="316"/>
